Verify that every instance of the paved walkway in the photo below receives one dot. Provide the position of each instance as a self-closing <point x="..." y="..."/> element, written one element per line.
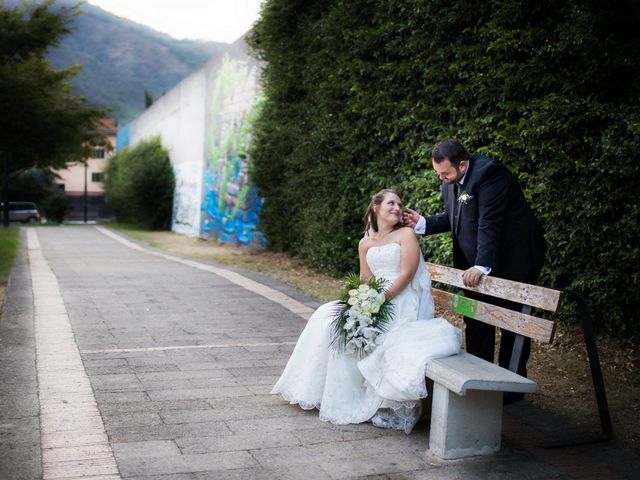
<point x="120" y="362"/>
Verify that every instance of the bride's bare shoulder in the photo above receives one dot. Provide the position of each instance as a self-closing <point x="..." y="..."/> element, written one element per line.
<point x="406" y="236"/>
<point x="365" y="243"/>
<point x="406" y="231"/>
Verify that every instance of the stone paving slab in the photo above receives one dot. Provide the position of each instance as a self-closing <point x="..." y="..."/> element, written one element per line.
<point x="181" y="356"/>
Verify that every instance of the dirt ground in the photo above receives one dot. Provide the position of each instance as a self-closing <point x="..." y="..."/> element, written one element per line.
<point x="562" y="372"/>
<point x="560" y="369"/>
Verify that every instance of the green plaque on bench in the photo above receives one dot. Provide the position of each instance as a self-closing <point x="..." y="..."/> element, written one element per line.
<point x="464" y="306"/>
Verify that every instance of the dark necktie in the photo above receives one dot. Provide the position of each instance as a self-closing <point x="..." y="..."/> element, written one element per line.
<point x="457" y="189"/>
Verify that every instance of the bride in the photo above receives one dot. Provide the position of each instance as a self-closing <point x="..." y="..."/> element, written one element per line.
<point x="386" y="386"/>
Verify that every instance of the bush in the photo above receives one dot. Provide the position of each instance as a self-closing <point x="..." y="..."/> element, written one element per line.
<point x="55" y="207"/>
<point x="32" y="185"/>
<point x="139" y="184"/>
<point x="359" y="92"/>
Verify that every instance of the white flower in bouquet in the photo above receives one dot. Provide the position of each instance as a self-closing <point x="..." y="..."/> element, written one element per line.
<point x="366" y="307"/>
<point x="375" y="306"/>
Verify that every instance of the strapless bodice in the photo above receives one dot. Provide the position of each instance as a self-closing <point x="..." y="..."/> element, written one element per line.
<point x="384" y="261"/>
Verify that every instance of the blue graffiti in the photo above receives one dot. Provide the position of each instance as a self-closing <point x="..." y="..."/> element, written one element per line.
<point x="231" y="208"/>
<point x="123" y="138"/>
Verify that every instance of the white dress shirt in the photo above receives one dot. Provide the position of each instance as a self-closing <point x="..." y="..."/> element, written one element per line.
<point x="421" y="228"/>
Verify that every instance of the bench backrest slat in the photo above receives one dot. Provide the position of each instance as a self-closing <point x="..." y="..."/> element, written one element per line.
<point x="538" y="297"/>
<point x="536" y="328"/>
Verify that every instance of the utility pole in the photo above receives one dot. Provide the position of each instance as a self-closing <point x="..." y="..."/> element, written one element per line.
<point x="85" y="191"/>
<point x="5" y="191"/>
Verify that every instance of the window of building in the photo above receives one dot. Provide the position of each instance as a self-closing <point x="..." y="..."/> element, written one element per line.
<point x="97" y="176"/>
<point x="98" y="152"/>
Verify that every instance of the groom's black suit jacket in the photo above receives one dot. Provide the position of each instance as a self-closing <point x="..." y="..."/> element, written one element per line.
<point x="494" y="227"/>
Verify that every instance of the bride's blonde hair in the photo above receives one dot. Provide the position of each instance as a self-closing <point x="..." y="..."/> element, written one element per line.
<point x="370" y="219"/>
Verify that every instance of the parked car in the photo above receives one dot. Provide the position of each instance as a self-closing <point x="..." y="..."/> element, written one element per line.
<point x="25" y="212"/>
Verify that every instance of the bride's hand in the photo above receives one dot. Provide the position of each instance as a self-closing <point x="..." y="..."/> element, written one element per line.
<point x="410" y="218"/>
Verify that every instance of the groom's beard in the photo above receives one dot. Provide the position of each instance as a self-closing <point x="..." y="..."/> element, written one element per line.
<point x="459" y="175"/>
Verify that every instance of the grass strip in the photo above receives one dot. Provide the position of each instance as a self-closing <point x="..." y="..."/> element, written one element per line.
<point x="8" y="251"/>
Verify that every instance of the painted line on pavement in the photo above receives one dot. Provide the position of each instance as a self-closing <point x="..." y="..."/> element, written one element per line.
<point x="73" y="438"/>
<point x="187" y="347"/>
<point x="269" y="293"/>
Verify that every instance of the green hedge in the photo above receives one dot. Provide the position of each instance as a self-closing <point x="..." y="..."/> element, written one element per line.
<point x="139" y="184"/>
<point x="358" y="93"/>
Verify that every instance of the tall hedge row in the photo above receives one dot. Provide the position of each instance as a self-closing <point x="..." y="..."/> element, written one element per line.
<point x="359" y="91"/>
<point x="139" y="184"/>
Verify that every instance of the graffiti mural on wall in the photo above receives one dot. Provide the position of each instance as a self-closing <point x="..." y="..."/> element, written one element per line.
<point x="231" y="206"/>
<point x="186" y="198"/>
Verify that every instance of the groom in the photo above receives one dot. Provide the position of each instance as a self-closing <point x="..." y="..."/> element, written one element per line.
<point x="494" y="232"/>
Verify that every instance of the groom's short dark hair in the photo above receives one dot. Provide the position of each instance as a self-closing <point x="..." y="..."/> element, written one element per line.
<point x="451" y="150"/>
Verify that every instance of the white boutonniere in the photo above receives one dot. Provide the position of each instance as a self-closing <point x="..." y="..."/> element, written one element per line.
<point x="464" y="198"/>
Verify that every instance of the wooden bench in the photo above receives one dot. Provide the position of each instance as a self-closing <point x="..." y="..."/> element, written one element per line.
<point x="466" y="411"/>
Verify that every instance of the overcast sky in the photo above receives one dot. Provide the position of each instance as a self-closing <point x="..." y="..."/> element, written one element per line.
<point x="216" y="20"/>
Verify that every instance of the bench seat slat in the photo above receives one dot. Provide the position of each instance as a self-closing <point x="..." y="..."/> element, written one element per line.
<point x="533" y="295"/>
<point x="536" y="328"/>
<point x="464" y="371"/>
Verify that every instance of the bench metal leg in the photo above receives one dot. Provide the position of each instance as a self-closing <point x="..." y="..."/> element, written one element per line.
<point x="465" y="426"/>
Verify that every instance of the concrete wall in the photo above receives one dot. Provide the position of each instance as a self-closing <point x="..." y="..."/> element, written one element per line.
<point x="178" y="118"/>
<point x="205" y="123"/>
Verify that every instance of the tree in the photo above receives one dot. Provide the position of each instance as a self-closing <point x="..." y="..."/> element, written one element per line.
<point x="42" y="123"/>
<point x="148" y="99"/>
<point x="33" y="184"/>
<point x="140" y="185"/>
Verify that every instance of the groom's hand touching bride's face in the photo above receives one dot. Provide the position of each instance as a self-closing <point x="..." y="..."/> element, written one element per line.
<point x="410" y="218"/>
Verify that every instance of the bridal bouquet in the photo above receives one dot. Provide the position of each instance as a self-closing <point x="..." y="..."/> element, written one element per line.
<point x="363" y="313"/>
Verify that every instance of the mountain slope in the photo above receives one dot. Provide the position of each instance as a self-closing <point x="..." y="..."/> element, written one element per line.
<point x="121" y="59"/>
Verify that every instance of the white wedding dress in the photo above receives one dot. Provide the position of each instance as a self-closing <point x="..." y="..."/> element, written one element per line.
<point x="387" y="385"/>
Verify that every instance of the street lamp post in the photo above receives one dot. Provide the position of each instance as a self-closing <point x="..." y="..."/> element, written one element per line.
<point x="85" y="191"/>
<point x="5" y="191"/>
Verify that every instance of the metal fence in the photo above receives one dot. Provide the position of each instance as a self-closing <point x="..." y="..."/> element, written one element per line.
<point x="94" y="204"/>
